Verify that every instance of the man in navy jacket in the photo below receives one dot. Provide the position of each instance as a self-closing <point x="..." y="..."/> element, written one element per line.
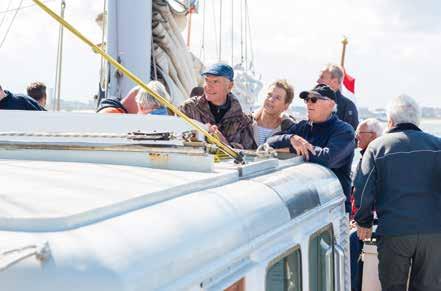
<point x="332" y="75"/>
<point x="9" y="101"/>
<point x="323" y="138"/>
<point x="400" y="178"/>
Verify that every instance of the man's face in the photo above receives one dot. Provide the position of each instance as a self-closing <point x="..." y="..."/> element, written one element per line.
<point x="274" y="103"/>
<point x="364" y="136"/>
<point x="216" y="89"/>
<point x="320" y="110"/>
<point x="147" y="108"/>
<point x="327" y="79"/>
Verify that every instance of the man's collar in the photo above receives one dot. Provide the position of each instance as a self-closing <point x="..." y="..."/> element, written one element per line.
<point x="331" y="118"/>
<point x="223" y="106"/>
<point x="403" y="126"/>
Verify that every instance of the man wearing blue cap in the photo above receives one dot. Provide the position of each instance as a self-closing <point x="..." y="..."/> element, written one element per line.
<point x="220" y="110"/>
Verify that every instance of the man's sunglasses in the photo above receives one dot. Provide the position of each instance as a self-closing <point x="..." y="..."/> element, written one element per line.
<point x="314" y="99"/>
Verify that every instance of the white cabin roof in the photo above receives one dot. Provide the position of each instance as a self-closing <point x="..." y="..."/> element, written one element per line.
<point x="45" y="196"/>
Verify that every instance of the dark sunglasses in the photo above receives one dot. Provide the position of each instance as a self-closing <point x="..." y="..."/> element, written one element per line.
<point x="314" y="99"/>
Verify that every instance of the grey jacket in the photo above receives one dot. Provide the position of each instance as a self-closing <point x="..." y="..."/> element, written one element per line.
<point x="401" y="179"/>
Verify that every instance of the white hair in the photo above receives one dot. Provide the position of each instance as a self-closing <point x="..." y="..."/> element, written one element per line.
<point x="143" y="98"/>
<point x="373" y="125"/>
<point x="403" y="109"/>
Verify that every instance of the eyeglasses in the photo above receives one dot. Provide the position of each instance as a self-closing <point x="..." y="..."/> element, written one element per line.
<point x="358" y="132"/>
<point x="314" y="99"/>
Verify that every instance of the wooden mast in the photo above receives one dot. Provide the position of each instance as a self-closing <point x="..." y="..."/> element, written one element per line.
<point x="343" y="52"/>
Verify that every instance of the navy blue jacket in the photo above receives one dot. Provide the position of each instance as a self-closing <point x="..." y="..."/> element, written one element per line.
<point x="401" y="179"/>
<point x="19" y="102"/>
<point x="346" y="110"/>
<point x="334" y="145"/>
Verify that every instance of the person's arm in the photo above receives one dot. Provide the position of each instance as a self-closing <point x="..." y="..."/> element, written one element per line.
<point x="189" y="109"/>
<point x="366" y="189"/>
<point x="339" y="147"/>
<point x="243" y="137"/>
<point x="282" y="139"/>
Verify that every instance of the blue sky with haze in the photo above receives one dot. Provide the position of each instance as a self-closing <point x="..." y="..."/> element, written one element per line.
<point x="393" y="47"/>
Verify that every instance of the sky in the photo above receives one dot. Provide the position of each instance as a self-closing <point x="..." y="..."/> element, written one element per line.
<point x="393" y="45"/>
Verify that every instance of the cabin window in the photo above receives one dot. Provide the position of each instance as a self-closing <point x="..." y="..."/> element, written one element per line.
<point x="321" y="261"/>
<point x="285" y="273"/>
<point x="238" y="286"/>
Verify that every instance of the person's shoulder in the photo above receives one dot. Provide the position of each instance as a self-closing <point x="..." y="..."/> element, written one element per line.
<point x="423" y="135"/>
<point x="287" y="121"/>
<point x="194" y="100"/>
<point x="111" y="105"/>
<point x="347" y="100"/>
<point x="26" y="102"/>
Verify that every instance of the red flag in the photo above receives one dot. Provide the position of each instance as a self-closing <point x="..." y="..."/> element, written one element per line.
<point x="349" y="83"/>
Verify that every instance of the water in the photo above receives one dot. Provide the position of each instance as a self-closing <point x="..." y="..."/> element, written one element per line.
<point x="432" y="126"/>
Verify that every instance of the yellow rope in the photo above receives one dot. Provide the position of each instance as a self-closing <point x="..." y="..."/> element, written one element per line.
<point x="225" y="148"/>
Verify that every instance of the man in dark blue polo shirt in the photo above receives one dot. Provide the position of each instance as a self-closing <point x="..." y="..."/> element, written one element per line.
<point x="10" y="101"/>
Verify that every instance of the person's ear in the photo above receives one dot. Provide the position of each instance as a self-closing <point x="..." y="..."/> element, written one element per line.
<point x="230" y="85"/>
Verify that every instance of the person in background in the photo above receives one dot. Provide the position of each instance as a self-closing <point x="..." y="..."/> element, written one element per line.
<point x="220" y="109"/>
<point x="197" y="91"/>
<point x="323" y="138"/>
<point x="137" y="101"/>
<point x="271" y="117"/>
<point x="367" y="131"/>
<point x="332" y="75"/>
<point x="400" y="179"/>
<point x="37" y="90"/>
<point x="10" y="101"/>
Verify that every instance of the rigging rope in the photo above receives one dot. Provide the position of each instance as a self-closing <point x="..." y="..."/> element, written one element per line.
<point x="23" y="7"/>
<point x="220" y="30"/>
<point x="241" y="32"/>
<point x="215" y="29"/>
<point x="249" y="34"/>
<point x="232" y="33"/>
<point x="4" y="16"/>
<point x="202" y="51"/>
<point x="10" y="24"/>
<point x="224" y="147"/>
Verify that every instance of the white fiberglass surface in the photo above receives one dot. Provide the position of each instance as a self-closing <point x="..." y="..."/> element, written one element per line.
<point x="46" y="190"/>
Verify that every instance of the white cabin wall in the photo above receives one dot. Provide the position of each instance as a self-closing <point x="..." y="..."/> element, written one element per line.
<point x="129" y="38"/>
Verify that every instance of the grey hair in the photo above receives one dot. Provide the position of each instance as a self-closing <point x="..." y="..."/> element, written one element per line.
<point x="404" y="109"/>
<point x="373" y="125"/>
<point x="335" y="70"/>
<point x="143" y="98"/>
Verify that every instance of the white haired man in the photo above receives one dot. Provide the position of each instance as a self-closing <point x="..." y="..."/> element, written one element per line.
<point x="401" y="173"/>
<point x="137" y="101"/>
<point x="367" y="131"/>
<point x="332" y="75"/>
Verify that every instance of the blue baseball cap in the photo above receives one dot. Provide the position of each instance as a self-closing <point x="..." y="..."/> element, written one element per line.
<point x="219" y="69"/>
